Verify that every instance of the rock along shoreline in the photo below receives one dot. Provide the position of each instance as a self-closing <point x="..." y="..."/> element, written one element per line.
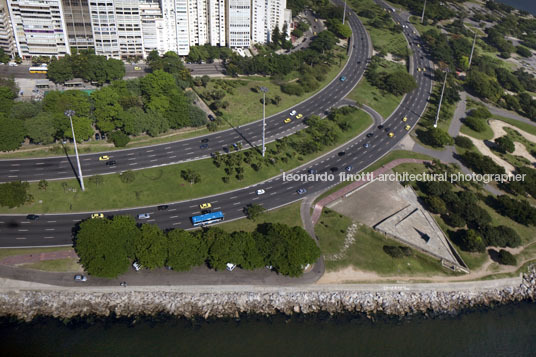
<point x="231" y="302"/>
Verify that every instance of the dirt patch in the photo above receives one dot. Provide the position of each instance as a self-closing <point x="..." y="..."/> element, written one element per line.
<point x="485" y="150"/>
<point x="497" y="127"/>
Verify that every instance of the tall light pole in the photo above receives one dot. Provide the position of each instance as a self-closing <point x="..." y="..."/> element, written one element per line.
<point x="344" y="13"/>
<point x="263" y="90"/>
<point x="472" y="50"/>
<point x="441" y="99"/>
<point x="70" y="114"/>
<point x="423" y="8"/>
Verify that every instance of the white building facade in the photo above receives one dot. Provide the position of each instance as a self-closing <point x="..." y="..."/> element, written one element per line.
<point x="7" y="39"/>
<point x="239" y="23"/>
<point x="38" y="27"/>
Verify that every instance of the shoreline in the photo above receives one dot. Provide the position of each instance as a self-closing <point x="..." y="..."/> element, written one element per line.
<point x="26" y="301"/>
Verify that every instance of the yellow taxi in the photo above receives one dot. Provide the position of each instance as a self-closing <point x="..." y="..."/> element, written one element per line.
<point x="407" y="127"/>
<point x="287" y="120"/>
<point x="391" y="134"/>
<point x="299" y="116"/>
<point x="205" y="205"/>
<point x="419" y="69"/>
<point x="104" y="158"/>
<point x="137" y="68"/>
<point x="97" y="215"/>
<point x="405" y="119"/>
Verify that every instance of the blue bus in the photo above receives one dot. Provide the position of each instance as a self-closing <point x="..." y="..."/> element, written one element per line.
<point x="208" y="218"/>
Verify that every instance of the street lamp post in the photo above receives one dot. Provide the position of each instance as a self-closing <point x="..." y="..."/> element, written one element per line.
<point x="423" y="8"/>
<point x="440" y="99"/>
<point x="70" y="114"/>
<point x="472" y="50"/>
<point x="344" y="13"/>
<point x="263" y="90"/>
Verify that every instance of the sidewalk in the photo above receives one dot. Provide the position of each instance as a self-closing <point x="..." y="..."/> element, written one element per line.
<point x="355" y="185"/>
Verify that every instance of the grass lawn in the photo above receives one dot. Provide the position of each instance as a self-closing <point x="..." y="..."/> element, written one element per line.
<point x="485" y="135"/>
<point x="59" y="265"/>
<point x="163" y="184"/>
<point x="289" y="214"/>
<point x="331" y="231"/>
<point x="245" y="104"/>
<point x="393" y="155"/>
<point x="531" y="129"/>
<point x="382" y="102"/>
<point x="422" y="28"/>
<point x="7" y="252"/>
<point x="367" y="254"/>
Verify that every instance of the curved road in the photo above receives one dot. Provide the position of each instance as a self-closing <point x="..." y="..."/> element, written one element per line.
<point x="190" y="149"/>
<point x="55" y="229"/>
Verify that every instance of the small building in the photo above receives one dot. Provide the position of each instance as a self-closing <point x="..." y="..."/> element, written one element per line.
<point x="43" y="84"/>
<point x="74" y="83"/>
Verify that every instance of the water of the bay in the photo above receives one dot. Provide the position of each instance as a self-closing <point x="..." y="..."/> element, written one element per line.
<point x="504" y="331"/>
<point x="527" y="5"/>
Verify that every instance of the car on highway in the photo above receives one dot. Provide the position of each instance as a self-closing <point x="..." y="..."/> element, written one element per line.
<point x="206" y="211"/>
<point x="144" y="216"/>
<point x="370" y="135"/>
<point x="230" y="266"/>
<point x="137" y="68"/>
<point x="204" y="140"/>
<point x="287" y="120"/>
<point x="260" y="192"/>
<point x="203" y="146"/>
<point x="348" y="168"/>
<point x="205" y="205"/>
<point x="366" y="145"/>
<point x="79" y="277"/>
<point x="334" y="169"/>
<point x="391" y="134"/>
<point x="343" y="78"/>
<point x="162" y="207"/>
<point x="32" y="217"/>
<point x="225" y="149"/>
<point x="299" y="116"/>
<point x="111" y="163"/>
<point x="419" y="69"/>
<point x="235" y="145"/>
<point x="97" y="215"/>
<point x="341" y="153"/>
<point x="407" y="127"/>
<point x="380" y="127"/>
<point x="301" y="191"/>
<point x="387" y="129"/>
<point x="312" y="171"/>
<point x="104" y="158"/>
<point x="404" y="119"/>
<point x="292" y="113"/>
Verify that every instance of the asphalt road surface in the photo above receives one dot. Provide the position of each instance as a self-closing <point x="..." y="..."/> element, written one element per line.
<point x="56" y="229"/>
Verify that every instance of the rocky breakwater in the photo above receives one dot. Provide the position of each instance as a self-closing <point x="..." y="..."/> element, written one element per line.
<point x="207" y="302"/>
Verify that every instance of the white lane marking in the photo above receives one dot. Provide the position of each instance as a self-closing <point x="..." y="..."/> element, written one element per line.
<point x="131" y="158"/>
<point x="51" y="221"/>
<point x="39" y="163"/>
<point x="13" y="176"/>
<point x="232" y="198"/>
<point x="173" y="217"/>
<point x="193" y="206"/>
<point x="150" y="220"/>
<point x="134" y="163"/>
<point x="153" y="155"/>
<point x="172" y="209"/>
<point x="48" y="237"/>
<point x="153" y="160"/>
<point x="149" y="151"/>
<point x="20" y="238"/>
<point x="167" y="148"/>
<point x="172" y="157"/>
<point x="236" y="203"/>
<point x="132" y="153"/>
<point x="76" y="220"/>
<point x="50" y="229"/>
<point x="176" y="223"/>
<point x="24" y="222"/>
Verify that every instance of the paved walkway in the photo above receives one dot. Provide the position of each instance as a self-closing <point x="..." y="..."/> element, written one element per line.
<point x="357" y="184"/>
<point x="39" y="257"/>
<point x="502" y="112"/>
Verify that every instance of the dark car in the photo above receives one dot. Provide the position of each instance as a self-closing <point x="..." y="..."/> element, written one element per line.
<point x="111" y="163"/>
<point x="203" y="146"/>
<point x="211" y="117"/>
<point x="225" y="149"/>
<point x="312" y="171"/>
<point x="97" y="136"/>
<point x="380" y="127"/>
<point x="162" y="207"/>
<point x="205" y="211"/>
<point x="32" y="217"/>
<point x="204" y="141"/>
<point x="348" y="168"/>
<point x="370" y="135"/>
<point x="387" y="130"/>
<point x="334" y="169"/>
<point x="341" y="153"/>
<point x="366" y="145"/>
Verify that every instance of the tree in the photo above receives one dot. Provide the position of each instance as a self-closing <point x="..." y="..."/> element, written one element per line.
<point x="325" y="41"/>
<point x="254" y="211"/>
<point x="246" y="244"/>
<point x="506" y="258"/>
<point x="436" y="205"/>
<point x="185" y="250"/>
<point x="222" y="249"/>
<point x="471" y="241"/>
<point x="463" y="142"/>
<point x="435" y="137"/>
<point x="119" y="139"/>
<point x="59" y="71"/>
<point x="151" y="247"/>
<point x="40" y="128"/>
<point x="204" y="80"/>
<point x="481" y="164"/>
<point x="43" y="185"/>
<point x="476" y="124"/>
<point x="134" y="121"/>
<point x="523" y="51"/>
<point x="504" y="144"/>
<point x="14" y="194"/>
<point x="107" y="109"/>
<point x="11" y="133"/>
<point x="191" y="176"/>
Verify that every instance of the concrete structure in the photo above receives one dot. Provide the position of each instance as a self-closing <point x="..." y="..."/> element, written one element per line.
<point x="39" y="27"/>
<point x="239" y="23"/>
<point x="78" y="23"/>
<point x="258" y="21"/>
<point x="104" y="27"/>
<point x="7" y="39"/>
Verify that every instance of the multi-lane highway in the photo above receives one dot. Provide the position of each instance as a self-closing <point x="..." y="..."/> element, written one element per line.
<point x="191" y="149"/>
<point x="55" y="229"/>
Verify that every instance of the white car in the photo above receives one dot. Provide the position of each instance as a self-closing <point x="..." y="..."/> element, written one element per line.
<point x="230" y="266"/>
<point x="292" y="113"/>
<point x="260" y="192"/>
<point x="80" y="278"/>
<point x="136" y="266"/>
<point x="144" y="216"/>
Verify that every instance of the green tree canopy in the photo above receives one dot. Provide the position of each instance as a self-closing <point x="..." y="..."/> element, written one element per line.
<point x="12" y="133"/>
<point x="185" y="250"/>
<point x="151" y="247"/>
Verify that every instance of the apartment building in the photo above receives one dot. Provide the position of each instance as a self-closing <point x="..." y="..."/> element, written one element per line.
<point x="78" y="23"/>
<point x="153" y="27"/>
<point x="129" y="28"/>
<point x="7" y="40"/>
<point x="104" y="26"/>
<point x="239" y="23"/>
<point x="38" y="27"/>
<point x="216" y="22"/>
